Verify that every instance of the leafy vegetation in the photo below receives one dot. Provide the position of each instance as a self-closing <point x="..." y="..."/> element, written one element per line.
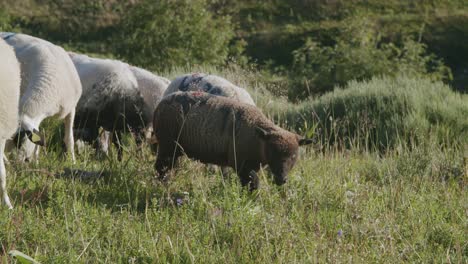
<point x="406" y="204"/>
<point x="168" y="33"/>
<point x="371" y="80"/>
<point x="386" y="111"/>
<point x="306" y="46"/>
<point x="318" y="69"/>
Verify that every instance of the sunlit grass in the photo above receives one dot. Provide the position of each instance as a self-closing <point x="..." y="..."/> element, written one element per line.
<point x="407" y="205"/>
<point x="356" y="204"/>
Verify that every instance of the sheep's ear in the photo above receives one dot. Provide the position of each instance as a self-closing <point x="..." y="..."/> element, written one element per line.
<point x="305" y="141"/>
<point x="262" y="133"/>
<point x="36" y="137"/>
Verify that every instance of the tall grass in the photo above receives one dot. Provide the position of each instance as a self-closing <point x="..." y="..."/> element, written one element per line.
<point x="378" y="114"/>
<point x="383" y="112"/>
<point x="407" y="204"/>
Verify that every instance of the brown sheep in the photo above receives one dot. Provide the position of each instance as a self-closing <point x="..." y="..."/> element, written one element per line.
<point x="225" y="132"/>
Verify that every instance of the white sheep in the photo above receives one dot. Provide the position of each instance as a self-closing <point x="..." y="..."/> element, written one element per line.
<point x="50" y="86"/>
<point x="9" y="98"/>
<point x="211" y="84"/>
<point x="116" y="97"/>
<point x="152" y="88"/>
<point x="109" y="89"/>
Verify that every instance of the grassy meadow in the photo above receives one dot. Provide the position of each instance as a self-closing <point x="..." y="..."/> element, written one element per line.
<point x="387" y="188"/>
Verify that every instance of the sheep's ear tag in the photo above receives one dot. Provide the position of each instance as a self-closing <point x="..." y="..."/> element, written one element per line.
<point x="305" y="141"/>
<point x="37" y="138"/>
<point x="262" y="133"/>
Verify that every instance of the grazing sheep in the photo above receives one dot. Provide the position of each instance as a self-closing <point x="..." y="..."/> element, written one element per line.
<point x="152" y="88"/>
<point x="211" y="84"/>
<point x="9" y="98"/>
<point x="49" y="86"/>
<point x="225" y="132"/>
<point x="116" y="97"/>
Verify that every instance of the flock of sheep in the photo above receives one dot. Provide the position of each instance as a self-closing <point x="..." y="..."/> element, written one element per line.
<point x="202" y="116"/>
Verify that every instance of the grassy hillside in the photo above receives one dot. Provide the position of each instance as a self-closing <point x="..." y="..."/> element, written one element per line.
<point x="350" y="39"/>
<point x="386" y="180"/>
<point x="407" y="204"/>
<point x="384" y="111"/>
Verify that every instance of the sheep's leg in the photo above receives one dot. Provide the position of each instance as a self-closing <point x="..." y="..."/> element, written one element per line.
<point x="101" y="142"/>
<point x="248" y="175"/>
<point x="69" y="141"/>
<point x="116" y="139"/>
<point x="36" y="152"/>
<point x="154" y="148"/>
<point x="139" y="141"/>
<point x="139" y="138"/>
<point x="150" y="138"/>
<point x="225" y="172"/>
<point x="104" y="139"/>
<point x="6" y="199"/>
<point x="163" y="166"/>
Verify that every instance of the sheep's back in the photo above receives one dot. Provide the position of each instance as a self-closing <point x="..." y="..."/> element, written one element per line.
<point x="104" y="82"/>
<point x="211" y="84"/>
<point x="50" y="83"/>
<point x="111" y="96"/>
<point x="207" y="126"/>
<point x="231" y="90"/>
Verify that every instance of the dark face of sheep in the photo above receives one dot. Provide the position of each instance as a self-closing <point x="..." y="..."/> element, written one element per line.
<point x="282" y="151"/>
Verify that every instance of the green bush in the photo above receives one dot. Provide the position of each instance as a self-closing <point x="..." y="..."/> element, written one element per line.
<point x="384" y="112"/>
<point x="359" y="54"/>
<point x="163" y="34"/>
<point x="5" y="23"/>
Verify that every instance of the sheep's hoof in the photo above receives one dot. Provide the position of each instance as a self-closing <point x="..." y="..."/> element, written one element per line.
<point x="8" y="203"/>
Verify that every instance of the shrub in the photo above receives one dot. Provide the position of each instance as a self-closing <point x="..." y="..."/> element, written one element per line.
<point x="162" y="34"/>
<point x="359" y="54"/>
<point x="383" y="112"/>
<point x="5" y="21"/>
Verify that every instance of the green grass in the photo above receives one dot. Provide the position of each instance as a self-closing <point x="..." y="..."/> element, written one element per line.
<point x="383" y="112"/>
<point x="407" y="204"/>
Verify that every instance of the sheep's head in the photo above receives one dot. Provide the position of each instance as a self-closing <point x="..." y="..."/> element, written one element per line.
<point x="281" y="151"/>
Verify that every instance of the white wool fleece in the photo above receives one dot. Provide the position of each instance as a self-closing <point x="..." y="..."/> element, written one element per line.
<point x="50" y="85"/>
<point x="151" y="87"/>
<point x="103" y="80"/>
<point x="106" y="81"/>
<point x="9" y="89"/>
<point x="212" y="84"/>
<point x="9" y="99"/>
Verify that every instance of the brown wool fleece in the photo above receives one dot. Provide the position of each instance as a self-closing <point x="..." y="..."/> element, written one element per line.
<point x="221" y="131"/>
